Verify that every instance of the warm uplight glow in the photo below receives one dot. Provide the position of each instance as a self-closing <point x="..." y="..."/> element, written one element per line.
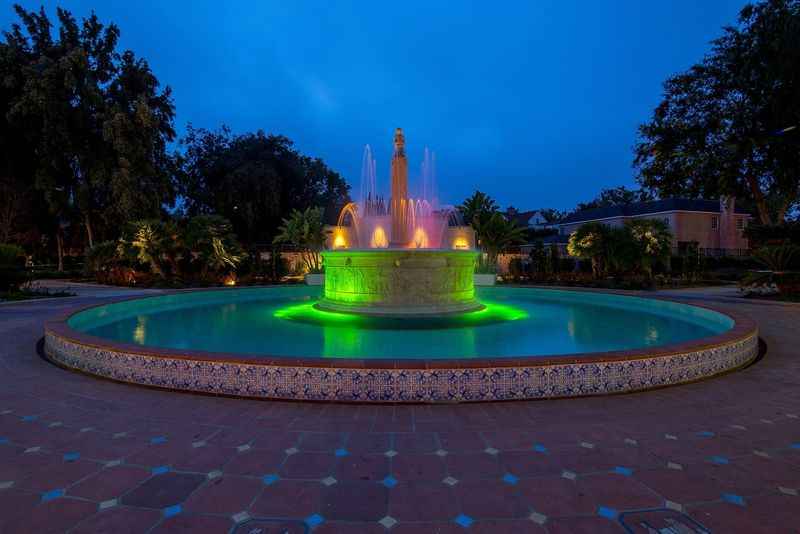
<point x="229" y="280"/>
<point x="420" y="238"/>
<point x="460" y="243"/>
<point x="379" y="239"/>
<point x="339" y="240"/>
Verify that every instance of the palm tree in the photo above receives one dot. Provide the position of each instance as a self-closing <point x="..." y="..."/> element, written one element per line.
<point x="479" y="206"/>
<point x="496" y="233"/>
<point x="211" y="240"/>
<point x="776" y="258"/>
<point x="145" y="244"/>
<point x="305" y="230"/>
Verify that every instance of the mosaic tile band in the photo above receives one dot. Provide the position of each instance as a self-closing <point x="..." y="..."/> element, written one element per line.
<point x="457" y="384"/>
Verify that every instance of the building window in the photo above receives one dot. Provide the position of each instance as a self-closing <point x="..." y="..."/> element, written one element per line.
<point x="714" y="223"/>
<point x="740" y="223"/>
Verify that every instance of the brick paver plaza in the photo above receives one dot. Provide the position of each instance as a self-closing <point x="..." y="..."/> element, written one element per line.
<point x="85" y="455"/>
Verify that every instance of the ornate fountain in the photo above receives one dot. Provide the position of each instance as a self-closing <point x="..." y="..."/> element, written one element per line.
<point x="405" y="257"/>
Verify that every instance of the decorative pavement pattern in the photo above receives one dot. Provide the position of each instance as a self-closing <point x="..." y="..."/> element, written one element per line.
<point x="82" y="455"/>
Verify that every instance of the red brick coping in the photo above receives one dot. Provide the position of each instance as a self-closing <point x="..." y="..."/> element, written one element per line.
<point x="404" y="380"/>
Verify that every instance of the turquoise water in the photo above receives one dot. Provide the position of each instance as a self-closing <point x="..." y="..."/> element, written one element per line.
<point x="281" y="321"/>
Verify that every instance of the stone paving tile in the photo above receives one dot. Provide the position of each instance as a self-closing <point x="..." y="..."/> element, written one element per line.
<point x="463" y="441"/>
<point x="778" y="512"/>
<point x="225" y="495"/>
<point x="54" y="516"/>
<point x="163" y="490"/>
<point x="428" y="528"/>
<point x="308" y="465"/>
<point x="517" y="526"/>
<point x="732" y="478"/>
<point x="417" y="442"/>
<point x="255" y="462"/>
<point x="681" y="486"/>
<point x="57" y="473"/>
<point x="119" y="520"/>
<point x="472" y="465"/>
<point x="203" y="459"/>
<point x="194" y="523"/>
<point x="289" y="498"/>
<point x="584" y="525"/>
<point x="725" y="517"/>
<point x="410" y="467"/>
<point x="422" y="501"/>
<point x="529" y="463"/>
<point x="340" y="527"/>
<point x="362" y="442"/>
<point x="490" y="499"/>
<point x="355" y="501"/>
<point x="320" y="441"/>
<point x="618" y="492"/>
<point x="363" y="467"/>
<point x="110" y="482"/>
<point x="14" y="505"/>
<point x="555" y="496"/>
<point x="768" y="472"/>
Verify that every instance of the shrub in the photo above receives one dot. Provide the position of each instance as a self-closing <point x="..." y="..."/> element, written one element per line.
<point x="483" y="265"/>
<point x="777" y="258"/>
<point x="11" y="256"/>
<point x="213" y="245"/>
<point x="100" y="259"/>
<point x="306" y="230"/>
<point x="12" y="267"/>
<point x="516" y="269"/>
<point x="788" y="283"/>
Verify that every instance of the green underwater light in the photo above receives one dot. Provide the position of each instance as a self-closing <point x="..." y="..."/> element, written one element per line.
<point x="491" y="313"/>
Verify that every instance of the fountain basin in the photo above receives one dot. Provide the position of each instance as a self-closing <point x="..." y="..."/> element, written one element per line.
<point x="399" y="282"/>
<point x="535" y="344"/>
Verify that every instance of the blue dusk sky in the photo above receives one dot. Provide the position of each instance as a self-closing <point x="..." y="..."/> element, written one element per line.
<point x="535" y="102"/>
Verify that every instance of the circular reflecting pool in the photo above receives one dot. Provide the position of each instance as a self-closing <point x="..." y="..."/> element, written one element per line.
<point x="283" y="322"/>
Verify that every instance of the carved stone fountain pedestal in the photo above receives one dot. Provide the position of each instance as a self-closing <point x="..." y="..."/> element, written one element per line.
<point x="399" y="282"/>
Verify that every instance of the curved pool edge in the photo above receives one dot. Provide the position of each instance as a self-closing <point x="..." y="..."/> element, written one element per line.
<point x="398" y="380"/>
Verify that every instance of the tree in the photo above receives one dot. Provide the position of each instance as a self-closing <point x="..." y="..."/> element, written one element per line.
<point x="95" y="120"/>
<point x="306" y="230"/>
<point x="729" y="125"/>
<point x="652" y="240"/>
<point x="496" y="233"/>
<point x="255" y="180"/>
<point x="552" y="216"/>
<point x="617" y="196"/>
<point x="478" y="207"/>
<point x="588" y="242"/>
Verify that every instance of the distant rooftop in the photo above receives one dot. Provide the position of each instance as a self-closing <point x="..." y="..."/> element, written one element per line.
<point x="643" y="208"/>
<point x="521" y="217"/>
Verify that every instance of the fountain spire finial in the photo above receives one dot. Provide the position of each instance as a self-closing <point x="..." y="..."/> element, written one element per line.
<point x="399" y="141"/>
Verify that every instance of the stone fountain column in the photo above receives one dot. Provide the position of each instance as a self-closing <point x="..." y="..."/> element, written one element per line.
<point x="399" y="201"/>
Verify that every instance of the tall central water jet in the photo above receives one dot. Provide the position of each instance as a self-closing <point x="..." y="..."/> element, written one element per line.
<point x="407" y="257"/>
